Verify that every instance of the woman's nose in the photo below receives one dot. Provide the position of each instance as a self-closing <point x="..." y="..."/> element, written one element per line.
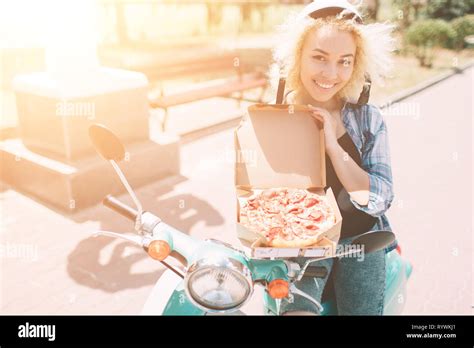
<point x="329" y="72"/>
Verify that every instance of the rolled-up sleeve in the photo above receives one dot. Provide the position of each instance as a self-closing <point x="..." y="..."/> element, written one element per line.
<point x="376" y="162"/>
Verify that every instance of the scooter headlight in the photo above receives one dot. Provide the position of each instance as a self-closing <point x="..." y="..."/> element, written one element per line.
<point x="218" y="285"/>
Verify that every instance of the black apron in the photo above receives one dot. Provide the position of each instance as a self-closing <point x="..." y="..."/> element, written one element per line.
<point x="354" y="221"/>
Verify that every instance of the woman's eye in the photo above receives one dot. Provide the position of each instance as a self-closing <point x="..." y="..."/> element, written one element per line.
<point x="345" y="62"/>
<point x="320" y="58"/>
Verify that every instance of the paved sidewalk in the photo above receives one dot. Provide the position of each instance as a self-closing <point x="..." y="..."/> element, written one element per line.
<point x="432" y="158"/>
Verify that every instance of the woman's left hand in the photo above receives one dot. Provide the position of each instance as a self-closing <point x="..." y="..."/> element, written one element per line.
<point x="330" y="127"/>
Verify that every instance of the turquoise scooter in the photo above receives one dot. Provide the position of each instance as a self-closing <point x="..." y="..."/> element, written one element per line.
<point x="213" y="277"/>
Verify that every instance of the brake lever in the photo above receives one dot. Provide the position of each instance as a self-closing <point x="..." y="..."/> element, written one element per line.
<point x="134" y="239"/>
<point x="310" y="261"/>
<point x="295" y="290"/>
<point x="143" y="242"/>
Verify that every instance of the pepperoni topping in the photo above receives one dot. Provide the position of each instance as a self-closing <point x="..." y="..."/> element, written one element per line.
<point x="293" y="209"/>
<point x="252" y="206"/>
<point x="309" y="202"/>
<point x="311" y="227"/>
<point x="316" y="215"/>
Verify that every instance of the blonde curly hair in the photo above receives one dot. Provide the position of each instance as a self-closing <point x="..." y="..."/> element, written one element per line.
<point x="374" y="44"/>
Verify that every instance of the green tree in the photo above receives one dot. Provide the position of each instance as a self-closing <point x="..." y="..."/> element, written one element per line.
<point x="449" y="9"/>
<point x="463" y="26"/>
<point x="427" y="34"/>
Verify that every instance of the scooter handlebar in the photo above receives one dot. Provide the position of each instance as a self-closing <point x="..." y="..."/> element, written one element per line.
<point x="119" y="207"/>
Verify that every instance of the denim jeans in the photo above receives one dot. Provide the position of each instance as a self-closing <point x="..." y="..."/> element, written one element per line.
<point x="359" y="284"/>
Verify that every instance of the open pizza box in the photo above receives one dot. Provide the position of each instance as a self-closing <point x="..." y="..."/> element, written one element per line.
<point x="282" y="146"/>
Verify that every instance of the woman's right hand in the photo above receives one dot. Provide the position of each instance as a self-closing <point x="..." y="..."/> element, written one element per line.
<point x="329" y="124"/>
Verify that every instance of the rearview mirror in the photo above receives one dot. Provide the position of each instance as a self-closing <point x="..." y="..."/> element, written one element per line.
<point x="106" y="143"/>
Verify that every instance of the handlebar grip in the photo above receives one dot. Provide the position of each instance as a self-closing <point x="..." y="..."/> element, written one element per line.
<point x="121" y="208"/>
<point x="316" y="272"/>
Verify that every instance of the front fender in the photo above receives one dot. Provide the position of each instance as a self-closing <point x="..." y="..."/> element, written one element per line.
<point x="168" y="298"/>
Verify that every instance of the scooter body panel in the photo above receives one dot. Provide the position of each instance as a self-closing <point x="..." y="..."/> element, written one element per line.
<point x="397" y="274"/>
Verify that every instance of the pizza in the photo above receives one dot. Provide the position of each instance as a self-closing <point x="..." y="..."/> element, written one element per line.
<point x="287" y="217"/>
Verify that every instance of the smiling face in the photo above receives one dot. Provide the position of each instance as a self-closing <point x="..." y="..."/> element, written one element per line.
<point x="327" y="62"/>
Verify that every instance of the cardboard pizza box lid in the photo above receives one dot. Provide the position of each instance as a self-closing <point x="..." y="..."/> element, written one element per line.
<point x="280" y="146"/>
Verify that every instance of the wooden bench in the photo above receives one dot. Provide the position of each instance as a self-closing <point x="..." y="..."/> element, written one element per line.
<point x="239" y="81"/>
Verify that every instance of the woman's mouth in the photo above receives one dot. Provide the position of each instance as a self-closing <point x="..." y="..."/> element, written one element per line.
<point x="325" y="86"/>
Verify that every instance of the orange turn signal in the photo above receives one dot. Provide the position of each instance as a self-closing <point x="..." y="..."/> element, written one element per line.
<point x="278" y="288"/>
<point x="159" y="250"/>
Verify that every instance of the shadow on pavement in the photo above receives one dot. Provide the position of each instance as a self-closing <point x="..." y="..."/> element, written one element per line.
<point x="84" y="267"/>
<point x="182" y="211"/>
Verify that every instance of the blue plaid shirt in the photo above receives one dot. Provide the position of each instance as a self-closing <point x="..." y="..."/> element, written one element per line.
<point x="366" y="127"/>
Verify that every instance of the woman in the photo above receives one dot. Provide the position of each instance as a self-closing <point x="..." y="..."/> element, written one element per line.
<point x="327" y="55"/>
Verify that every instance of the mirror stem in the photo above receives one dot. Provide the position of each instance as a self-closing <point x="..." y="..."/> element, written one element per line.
<point x="138" y="221"/>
